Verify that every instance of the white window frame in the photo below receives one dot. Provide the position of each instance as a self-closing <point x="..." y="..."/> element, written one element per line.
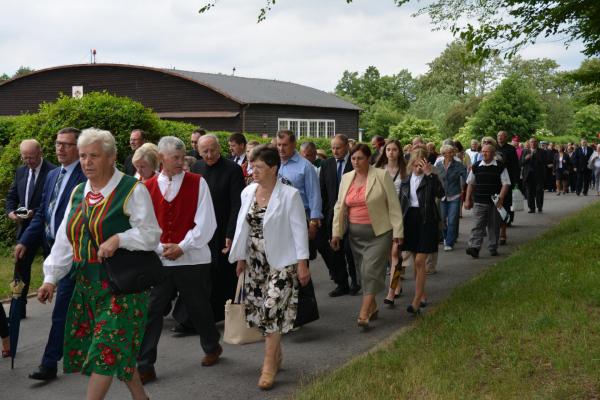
<point x="328" y="132"/>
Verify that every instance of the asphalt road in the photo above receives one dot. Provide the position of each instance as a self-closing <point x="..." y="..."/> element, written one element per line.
<point x="315" y="349"/>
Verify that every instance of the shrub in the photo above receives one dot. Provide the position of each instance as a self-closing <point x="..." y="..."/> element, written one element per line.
<point x="411" y="126"/>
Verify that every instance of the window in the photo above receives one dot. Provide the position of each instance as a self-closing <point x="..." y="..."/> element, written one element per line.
<point x="316" y="128"/>
<point x="303" y="129"/>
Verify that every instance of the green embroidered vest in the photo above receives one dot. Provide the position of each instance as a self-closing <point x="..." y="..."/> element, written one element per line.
<point x="106" y="218"/>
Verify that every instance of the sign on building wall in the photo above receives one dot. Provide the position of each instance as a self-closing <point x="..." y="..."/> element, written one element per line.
<point x="77" y="91"/>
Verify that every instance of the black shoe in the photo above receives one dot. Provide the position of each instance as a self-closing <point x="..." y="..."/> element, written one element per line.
<point x="147" y="375"/>
<point x="531" y="212"/>
<point x="340" y="290"/>
<point x="354" y="289"/>
<point x="473" y="252"/>
<point x="539" y="210"/>
<point x="423" y="304"/>
<point x="389" y="303"/>
<point x="410" y="309"/>
<point x="182" y="329"/>
<point x="493" y="253"/>
<point x="43" y="374"/>
<point x="502" y="242"/>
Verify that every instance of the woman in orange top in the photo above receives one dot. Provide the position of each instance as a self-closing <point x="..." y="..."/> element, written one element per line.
<point x="368" y="200"/>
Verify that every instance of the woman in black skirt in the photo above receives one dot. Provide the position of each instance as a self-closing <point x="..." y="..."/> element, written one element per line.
<point x="418" y="193"/>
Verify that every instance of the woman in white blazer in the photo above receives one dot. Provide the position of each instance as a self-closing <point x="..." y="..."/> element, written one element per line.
<point x="270" y="247"/>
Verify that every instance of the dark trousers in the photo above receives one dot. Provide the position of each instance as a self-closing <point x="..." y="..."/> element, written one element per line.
<point x="3" y="323"/>
<point x="54" y="347"/>
<point x="343" y="264"/>
<point x="323" y="247"/>
<point x="583" y="180"/>
<point x="193" y="284"/>
<point x="25" y="271"/>
<point x="535" y="193"/>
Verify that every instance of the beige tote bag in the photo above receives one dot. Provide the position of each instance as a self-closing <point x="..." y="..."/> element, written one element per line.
<point x="236" y="330"/>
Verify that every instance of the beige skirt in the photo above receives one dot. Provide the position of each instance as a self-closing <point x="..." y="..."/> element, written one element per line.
<point x="371" y="256"/>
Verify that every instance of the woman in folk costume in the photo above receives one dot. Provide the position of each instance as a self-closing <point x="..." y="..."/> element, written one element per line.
<point x="103" y="331"/>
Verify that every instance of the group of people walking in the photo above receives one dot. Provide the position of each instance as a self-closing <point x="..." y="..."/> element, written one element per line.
<point x="259" y="217"/>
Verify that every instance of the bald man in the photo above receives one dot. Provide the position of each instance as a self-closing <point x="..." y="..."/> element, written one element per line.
<point x="24" y="196"/>
<point x="225" y="181"/>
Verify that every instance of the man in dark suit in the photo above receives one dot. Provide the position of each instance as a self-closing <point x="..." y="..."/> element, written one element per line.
<point x="23" y="199"/>
<point x="58" y="186"/>
<point x="136" y="139"/>
<point x="534" y="162"/>
<point x="330" y="177"/>
<point x="508" y="155"/>
<point x="196" y="134"/>
<point x="581" y="158"/>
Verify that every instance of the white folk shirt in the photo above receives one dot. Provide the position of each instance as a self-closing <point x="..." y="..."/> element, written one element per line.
<point x="195" y="243"/>
<point x="143" y="235"/>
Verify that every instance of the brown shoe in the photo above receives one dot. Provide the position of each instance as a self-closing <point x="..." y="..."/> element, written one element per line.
<point x="147" y="376"/>
<point x="212" y="358"/>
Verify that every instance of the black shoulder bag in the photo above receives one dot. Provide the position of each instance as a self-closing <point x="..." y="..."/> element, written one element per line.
<point x="128" y="271"/>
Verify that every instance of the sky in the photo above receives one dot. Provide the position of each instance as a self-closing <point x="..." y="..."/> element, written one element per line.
<point x="311" y="42"/>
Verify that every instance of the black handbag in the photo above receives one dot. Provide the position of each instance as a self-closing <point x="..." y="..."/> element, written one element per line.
<point x="129" y="271"/>
<point x="307" y="311"/>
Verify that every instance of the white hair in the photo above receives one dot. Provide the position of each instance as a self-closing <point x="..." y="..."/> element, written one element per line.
<point x="94" y="135"/>
<point x="209" y="136"/>
<point x="30" y="143"/>
<point x="168" y="144"/>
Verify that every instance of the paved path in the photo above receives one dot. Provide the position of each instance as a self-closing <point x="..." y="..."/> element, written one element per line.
<point x="317" y="348"/>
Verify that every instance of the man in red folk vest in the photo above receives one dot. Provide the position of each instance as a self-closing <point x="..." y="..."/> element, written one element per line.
<point x="185" y="213"/>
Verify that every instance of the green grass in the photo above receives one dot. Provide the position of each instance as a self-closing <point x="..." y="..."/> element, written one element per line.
<point x="529" y="328"/>
<point x="7" y="264"/>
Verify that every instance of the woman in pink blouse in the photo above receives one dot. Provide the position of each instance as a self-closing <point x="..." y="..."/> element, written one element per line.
<point x="368" y="201"/>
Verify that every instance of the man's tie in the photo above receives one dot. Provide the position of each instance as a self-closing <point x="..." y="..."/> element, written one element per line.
<point x="31" y="189"/>
<point x="340" y="165"/>
<point x="237" y="159"/>
<point x="52" y="203"/>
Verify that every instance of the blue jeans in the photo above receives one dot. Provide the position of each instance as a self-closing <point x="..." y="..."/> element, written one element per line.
<point x="450" y="214"/>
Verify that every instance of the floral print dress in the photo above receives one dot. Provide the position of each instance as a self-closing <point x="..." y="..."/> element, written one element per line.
<point x="271" y="294"/>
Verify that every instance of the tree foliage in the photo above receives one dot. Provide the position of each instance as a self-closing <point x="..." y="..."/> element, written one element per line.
<point x="587" y="121"/>
<point x="513" y="106"/>
<point x="411" y="127"/>
<point x="504" y="25"/>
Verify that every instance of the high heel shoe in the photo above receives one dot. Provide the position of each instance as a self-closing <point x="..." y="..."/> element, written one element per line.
<point x="389" y="303"/>
<point x="363" y="323"/>
<point x="413" y="311"/>
<point x="374" y="314"/>
<point x="266" y="380"/>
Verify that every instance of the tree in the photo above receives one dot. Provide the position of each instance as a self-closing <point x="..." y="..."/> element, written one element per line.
<point x="513" y="106"/>
<point x="4" y="77"/>
<point x="458" y="71"/>
<point x="505" y="25"/>
<point x="540" y="72"/>
<point x="378" y="118"/>
<point x="411" y="127"/>
<point x="587" y="77"/>
<point x="587" y="121"/>
<point x="20" y="72"/>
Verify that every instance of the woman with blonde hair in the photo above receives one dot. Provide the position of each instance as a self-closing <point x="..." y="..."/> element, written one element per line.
<point x="145" y="161"/>
<point x="368" y="201"/>
<point x="418" y="194"/>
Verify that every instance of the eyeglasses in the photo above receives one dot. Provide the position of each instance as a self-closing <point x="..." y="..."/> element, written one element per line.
<point x="194" y="141"/>
<point x="66" y="145"/>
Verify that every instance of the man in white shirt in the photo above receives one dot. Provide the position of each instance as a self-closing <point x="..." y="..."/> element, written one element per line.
<point x="488" y="177"/>
<point x="185" y="213"/>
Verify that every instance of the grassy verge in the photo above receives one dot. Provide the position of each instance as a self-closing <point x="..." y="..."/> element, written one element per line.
<point x="6" y="274"/>
<point x="529" y="329"/>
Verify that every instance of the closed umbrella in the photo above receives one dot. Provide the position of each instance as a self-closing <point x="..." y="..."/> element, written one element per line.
<point x="17" y="304"/>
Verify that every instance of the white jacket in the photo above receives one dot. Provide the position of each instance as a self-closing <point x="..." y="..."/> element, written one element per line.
<point x="284" y="227"/>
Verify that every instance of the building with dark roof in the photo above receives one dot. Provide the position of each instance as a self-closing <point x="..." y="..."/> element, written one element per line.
<point x="212" y="101"/>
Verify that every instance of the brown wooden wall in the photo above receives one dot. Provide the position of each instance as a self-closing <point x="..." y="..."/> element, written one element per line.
<point x="160" y="91"/>
<point x="262" y="118"/>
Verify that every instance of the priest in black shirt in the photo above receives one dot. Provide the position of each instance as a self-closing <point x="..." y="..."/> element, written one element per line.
<point x="226" y="182"/>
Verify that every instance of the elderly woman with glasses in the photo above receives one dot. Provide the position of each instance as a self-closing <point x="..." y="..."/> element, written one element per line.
<point x="103" y="331"/>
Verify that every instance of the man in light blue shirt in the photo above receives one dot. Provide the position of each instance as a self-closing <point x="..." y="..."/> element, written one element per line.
<point x="301" y="174"/>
